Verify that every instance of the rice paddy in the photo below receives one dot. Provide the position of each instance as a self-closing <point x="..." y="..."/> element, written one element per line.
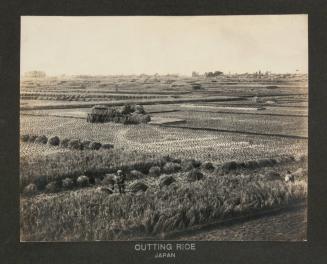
<point x="190" y="127"/>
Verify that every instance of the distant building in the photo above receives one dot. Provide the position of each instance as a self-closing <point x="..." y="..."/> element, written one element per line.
<point x="35" y="74"/>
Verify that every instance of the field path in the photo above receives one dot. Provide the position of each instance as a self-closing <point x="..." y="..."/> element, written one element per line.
<point x="288" y="225"/>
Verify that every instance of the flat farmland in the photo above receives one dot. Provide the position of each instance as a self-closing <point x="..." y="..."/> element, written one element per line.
<point x="29" y="151"/>
<point x="182" y="143"/>
<point x="264" y="124"/>
<point x="198" y="125"/>
<point x="243" y="108"/>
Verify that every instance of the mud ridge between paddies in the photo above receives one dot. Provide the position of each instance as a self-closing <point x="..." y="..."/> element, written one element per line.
<point x="236" y="131"/>
<point x="142" y="102"/>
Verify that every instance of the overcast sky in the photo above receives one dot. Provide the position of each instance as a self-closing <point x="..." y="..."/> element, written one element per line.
<point x="134" y="45"/>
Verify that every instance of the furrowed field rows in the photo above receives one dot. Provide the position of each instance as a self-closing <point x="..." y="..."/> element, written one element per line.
<point x="218" y="148"/>
<point x="89" y="104"/>
<point x="296" y="126"/>
<point x="183" y="143"/>
<point x="244" y="109"/>
<point x="27" y="150"/>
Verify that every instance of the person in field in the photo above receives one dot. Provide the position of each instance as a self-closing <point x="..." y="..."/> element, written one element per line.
<point x="111" y="181"/>
<point x="120" y="179"/>
<point x="289" y="177"/>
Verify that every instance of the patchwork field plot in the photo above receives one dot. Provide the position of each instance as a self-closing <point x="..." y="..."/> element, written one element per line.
<point x="203" y="145"/>
<point x="267" y="124"/>
<point x="244" y="108"/>
<point x="29" y="151"/>
<point x="215" y="148"/>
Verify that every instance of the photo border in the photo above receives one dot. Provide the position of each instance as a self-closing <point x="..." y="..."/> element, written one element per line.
<point x="12" y="251"/>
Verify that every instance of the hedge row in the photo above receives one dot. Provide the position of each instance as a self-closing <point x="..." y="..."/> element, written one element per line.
<point x="260" y="163"/>
<point x="66" y="142"/>
<point x="41" y="184"/>
<point x="155" y="168"/>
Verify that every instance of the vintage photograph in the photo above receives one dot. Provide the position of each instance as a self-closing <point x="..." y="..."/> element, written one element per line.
<point x="190" y="128"/>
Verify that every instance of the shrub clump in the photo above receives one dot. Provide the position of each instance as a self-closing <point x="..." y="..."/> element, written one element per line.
<point x="286" y="159"/>
<point x="52" y="187"/>
<point x="194" y="175"/>
<point x="266" y="162"/>
<point x="106" y="190"/>
<point x="228" y="166"/>
<point x="41" y="182"/>
<point x="109" y="179"/>
<point x="197" y="87"/>
<point x="137" y="119"/>
<point x="82" y="181"/>
<point x="139" y="109"/>
<point x="171" y="167"/>
<point x="272" y="175"/>
<point x="95" y="145"/>
<point x="166" y="180"/>
<point x="67" y="183"/>
<point x="30" y="189"/>
<point x="190" y="164"/>
<point x="135" y="174"/>
<point x="86" y="144"/>
<point x="24" y="138"/>
<point x="207" y="166"/>
<point x="75" y="144"/>
<point x="32" y="138"/>
<point x="251" y="164"/>
<point x="41" y="139"/>
<point x="54" y="141"/>
<point x="155" y="171"/>
<point x="64" y="143"/>
<point x="126" y="109"/>
<point x="107" y="146"/>
<point x="145" y="119"/>
<point x="138" y="186"/>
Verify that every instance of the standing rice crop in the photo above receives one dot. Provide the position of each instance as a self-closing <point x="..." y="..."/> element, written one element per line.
<point x="91" y="215"/>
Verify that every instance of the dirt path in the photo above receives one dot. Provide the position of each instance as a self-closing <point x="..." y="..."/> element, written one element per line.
<point x="290" y="226"/>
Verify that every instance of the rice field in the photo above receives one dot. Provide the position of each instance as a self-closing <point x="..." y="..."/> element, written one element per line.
<point x="201" y="145"/>
<point x="29" y="151"/>
<point x="86" y="214"/>
<point x="216" y="133"/>
<point x="267" y="124"/>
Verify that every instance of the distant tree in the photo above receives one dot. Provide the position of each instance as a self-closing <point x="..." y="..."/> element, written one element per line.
<point x="213" y="74"/>
<point x="195" y="74"/>
<point x="208" y="74"/>
<point x="217" y="73"/>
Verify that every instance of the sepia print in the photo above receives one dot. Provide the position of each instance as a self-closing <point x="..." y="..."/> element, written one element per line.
<point x="179" y="128"/>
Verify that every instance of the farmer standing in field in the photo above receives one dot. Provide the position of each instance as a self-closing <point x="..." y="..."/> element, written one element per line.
<point x="120" y="179"/>
<point x="289" y="177"/>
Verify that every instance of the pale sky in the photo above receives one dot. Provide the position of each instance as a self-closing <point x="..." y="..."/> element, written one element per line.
<point x="158" y="44"/>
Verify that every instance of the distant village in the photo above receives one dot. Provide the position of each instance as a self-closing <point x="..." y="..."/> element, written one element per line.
<point x="267" y="75"/>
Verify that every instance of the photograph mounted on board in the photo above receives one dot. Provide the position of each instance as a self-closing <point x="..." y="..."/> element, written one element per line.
<point x="164" y="128"/>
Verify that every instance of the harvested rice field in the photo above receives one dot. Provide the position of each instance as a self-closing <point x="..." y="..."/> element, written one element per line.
<point x="181" y="143"/>
<point x="202" y="156"/>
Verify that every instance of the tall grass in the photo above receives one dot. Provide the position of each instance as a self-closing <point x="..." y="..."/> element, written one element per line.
<point x="90" y="215"/>
<point x="74" y="163"/>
